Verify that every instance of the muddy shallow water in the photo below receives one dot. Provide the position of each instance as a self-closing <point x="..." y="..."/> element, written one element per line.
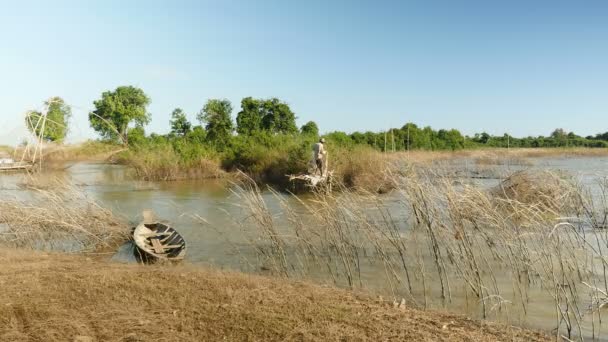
<point x="212" y="219"/>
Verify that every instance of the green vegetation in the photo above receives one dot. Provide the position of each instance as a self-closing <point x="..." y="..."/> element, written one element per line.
<point x="216" y="115"/>
<point x="179" y="123"/>
<point x="172" y="156"/>
<point x="55" y="127"/>
<point x="411" y="137"/>
<point x="264" y="141"/>
<point x="117" y="110"/>
<point x="270" y="115"/>
<point x="268" y="147"/>
<point x="558" y="138"/>
<point x="310" y="129"/>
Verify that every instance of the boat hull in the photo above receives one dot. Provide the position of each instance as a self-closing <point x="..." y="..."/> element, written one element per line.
<point x="158" y="241"/>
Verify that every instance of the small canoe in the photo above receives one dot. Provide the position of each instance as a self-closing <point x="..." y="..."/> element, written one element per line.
<point x="158" y="241"/>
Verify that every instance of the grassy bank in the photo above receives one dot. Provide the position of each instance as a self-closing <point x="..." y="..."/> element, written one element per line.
<point x="269" y="158"/>
<point x="89" y="151"/>
<point x="503" y="154"/>
<point x="71" y="298"/>
<point x="162" y="162"/>
<point x="266" y="158"/>
<point x="6" y="149"/>
<point x="56" y="156"/>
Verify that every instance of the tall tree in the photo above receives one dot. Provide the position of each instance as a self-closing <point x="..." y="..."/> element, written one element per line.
<point x="560" y="136"/>
<point x="55" y="125"/>
<point x="179" y="122"/>
<point x="310" y="128"/>
<point x="411" y="136"/>
<point x="278" y="117"/>
<point x="249" y="119"/>
<point x="116" y="110"/>
<point x="218" y="123"/>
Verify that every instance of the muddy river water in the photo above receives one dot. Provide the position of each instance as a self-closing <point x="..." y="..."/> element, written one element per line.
<point x="211" y="217"/>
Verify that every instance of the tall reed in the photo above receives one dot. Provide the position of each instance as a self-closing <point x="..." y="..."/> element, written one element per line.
<point x="433" y="235"/>
<point x="58" y="216"/>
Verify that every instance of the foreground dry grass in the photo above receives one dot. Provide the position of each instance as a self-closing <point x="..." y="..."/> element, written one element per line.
<point x="52" y="297"/>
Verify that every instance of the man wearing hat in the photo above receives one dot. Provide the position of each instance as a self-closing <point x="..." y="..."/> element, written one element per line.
<point x="319" y="156"/>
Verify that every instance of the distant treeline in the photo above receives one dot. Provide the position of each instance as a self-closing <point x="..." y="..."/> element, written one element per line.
<point x="121" y="115"/>
<point x="412" y="137"/>
<point x="262" y="139"/>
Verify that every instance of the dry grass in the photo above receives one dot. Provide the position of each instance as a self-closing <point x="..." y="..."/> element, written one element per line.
<point x="559" y="152"/>
<point x="4" y="149"/>
<point x="51" y="156"/>
<point x="364" y="169"/>
<point x="59" y="217"/>
<point x="86" y="151"/>
<point x="545" y="190"/>
<point x="457" y="235"/>
<point x="150" y="171"/>
<point x="501" y="156"/>
<point x="501" y="160"/>
<point x="50" y="297"/>
<point x="164" y="164"/>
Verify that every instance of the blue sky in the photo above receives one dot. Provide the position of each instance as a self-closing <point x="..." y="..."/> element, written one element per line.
<point x="522" y="67"/>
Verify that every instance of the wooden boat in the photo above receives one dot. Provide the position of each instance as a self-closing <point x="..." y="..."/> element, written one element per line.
<point x="157" y="241"/>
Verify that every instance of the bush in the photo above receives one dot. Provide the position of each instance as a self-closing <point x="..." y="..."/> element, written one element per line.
<point x="162" y="158"/>
<point x="269" y="157"/>
<point x="362" y="168"/>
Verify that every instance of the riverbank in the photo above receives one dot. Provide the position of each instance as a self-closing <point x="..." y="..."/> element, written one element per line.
<point x="355" y="167"/>
<point x="271" y="160"/>
<point x="56" y="297"/>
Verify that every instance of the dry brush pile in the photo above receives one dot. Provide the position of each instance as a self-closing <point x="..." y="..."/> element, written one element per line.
<point x="436" y="236"/>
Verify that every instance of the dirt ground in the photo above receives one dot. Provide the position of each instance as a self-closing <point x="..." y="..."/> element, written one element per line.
<point x="54" y="297"/>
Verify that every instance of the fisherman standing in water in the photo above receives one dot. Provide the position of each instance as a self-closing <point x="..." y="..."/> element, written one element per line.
<point x="320" y="155"/>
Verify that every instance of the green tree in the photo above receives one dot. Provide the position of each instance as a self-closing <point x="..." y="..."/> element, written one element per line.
<point x="55" y="125"/>
<point x="412" y="137"/>
<point x="453" y="139"/>
<point x="338" y="138"/>
<point x="482" y="138"/>
<point x="197" y="135"/>
<point x="118" y="109"/>
<point x="249" y="119"/>
<point x="310" y="128"/>
<point x="601" y="136"/>
<point x="560" y="136"/>
<point x="179" y="123"/>
<point x="278" y="117"/>
<point x="136" y="135"/>
<point x="218" y="123"/>
<point x="357" y="137"/>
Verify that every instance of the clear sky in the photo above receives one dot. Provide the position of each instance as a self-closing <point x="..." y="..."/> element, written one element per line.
<point x="522" y="67"/>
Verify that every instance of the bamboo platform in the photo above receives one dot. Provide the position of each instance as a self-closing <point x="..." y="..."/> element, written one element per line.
<point x="316" y="182"/>
<point x="17" y="166"/>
